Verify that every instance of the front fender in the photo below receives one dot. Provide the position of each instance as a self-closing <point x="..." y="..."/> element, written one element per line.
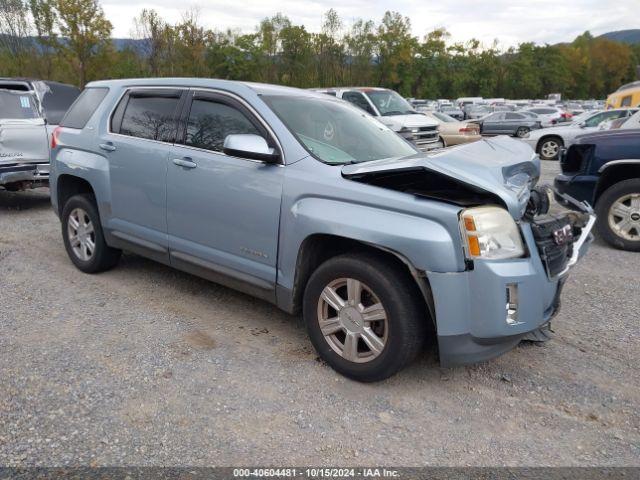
<point x="425" y="243"/>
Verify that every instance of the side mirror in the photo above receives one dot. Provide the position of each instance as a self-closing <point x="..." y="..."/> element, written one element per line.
<point x="581" y="124"/>
<point x="248" y="145"/>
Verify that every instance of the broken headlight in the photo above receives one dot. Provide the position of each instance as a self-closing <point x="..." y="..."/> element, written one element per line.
<point x="490" y="233"/>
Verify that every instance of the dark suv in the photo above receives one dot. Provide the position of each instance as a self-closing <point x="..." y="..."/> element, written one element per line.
<point x="603" y="169"/>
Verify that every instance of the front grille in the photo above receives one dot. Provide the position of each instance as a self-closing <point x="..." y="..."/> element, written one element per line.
<point x="424" y="136"/>
<point x="554" y="236"/>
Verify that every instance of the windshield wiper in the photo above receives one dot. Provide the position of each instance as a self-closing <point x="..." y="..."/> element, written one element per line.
<point x="393" y="112"/>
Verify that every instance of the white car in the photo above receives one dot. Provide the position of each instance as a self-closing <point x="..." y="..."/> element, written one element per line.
<point x="632" y="122"/>
<point x="548" y="142"/>
<point x="550" y="116"/>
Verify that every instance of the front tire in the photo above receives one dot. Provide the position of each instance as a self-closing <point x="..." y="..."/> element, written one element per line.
<point x="365" y="316"/>
<point x="83" y="236"/>
<point x="549" y="148"/>
<point x="618" y="210"/>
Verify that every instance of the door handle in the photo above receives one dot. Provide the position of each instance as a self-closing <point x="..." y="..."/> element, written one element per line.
<point x="109" y="147"/>
<point x="185" y="162"/>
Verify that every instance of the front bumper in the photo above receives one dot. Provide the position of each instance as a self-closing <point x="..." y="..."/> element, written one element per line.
<point x="471" y="307"/>
<point x="34" y="173"/>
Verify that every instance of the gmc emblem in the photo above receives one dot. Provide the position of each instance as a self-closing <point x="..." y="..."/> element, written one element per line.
<point x="563" y="235"/>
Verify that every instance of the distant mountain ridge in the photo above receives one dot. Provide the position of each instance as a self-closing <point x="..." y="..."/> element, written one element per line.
<point x="631" y="36"/>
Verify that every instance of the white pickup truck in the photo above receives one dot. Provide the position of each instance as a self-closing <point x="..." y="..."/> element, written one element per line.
<point x="29" y="111"/>
<point x="394" y="111"/>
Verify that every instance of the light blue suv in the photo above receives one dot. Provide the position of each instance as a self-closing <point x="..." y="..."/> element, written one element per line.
<point x="312" y="204"/>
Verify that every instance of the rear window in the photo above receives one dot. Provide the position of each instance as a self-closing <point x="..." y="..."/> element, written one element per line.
<point x="84" y="106"/>
<point x="17" y="105"/>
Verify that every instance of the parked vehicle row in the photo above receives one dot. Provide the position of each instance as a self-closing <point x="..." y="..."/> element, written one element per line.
<point x="548" y="142"/>
<point x="310" y="203"/>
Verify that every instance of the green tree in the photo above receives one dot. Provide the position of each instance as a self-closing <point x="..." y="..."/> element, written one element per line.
<point x="86" y="36"/>
<point x="15" y="29"/>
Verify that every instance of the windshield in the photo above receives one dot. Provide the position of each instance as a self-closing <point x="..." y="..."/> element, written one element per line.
<point x="389" y="102"/>
<point x="443" y="117"/>
<point x="336" y="132"/>
<point x="17" y="105"/>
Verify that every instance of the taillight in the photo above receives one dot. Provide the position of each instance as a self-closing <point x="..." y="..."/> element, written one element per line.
<point x="54" y="137"/>
<point x="468" y="131"/>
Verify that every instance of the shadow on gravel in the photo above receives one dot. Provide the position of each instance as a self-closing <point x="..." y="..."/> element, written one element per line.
<point x="37" y="199"/>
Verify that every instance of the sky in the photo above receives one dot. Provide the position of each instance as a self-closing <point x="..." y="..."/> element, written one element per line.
<point x="508" y="21"/>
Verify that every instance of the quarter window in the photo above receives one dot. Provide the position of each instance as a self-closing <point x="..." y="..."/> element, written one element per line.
<point x="84" y="107"/>
<point x="150" y="116"/>
<point x="210" y="121"/>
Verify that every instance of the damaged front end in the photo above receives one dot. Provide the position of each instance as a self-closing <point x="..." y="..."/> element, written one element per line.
<point x="499" y="171"/>
<point x="515" y="263"/>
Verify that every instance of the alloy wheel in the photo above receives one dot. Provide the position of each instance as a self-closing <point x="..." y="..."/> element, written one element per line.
<point x="624" y="217"/>
<point x="550" y="149"/>
<point x="353" y="320"/>
<point x="81" y="234"/>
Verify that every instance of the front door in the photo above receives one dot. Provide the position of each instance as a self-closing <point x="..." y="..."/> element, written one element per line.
<point x="222" y="211"/>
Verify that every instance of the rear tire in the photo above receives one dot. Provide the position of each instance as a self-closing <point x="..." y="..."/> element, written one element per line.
<point x="83" y="236"/>
<point x="522" y="131"/>
<point x="373" y="333"/>
<point x="618" y="210"/>
<point x="549" y="148"/>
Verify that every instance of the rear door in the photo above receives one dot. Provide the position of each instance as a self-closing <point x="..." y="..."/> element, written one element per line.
<point x="492" y="125"/>
<point x="137" y="146"/>
<point x="223" y="212"/>
<point x="513" y="121"/>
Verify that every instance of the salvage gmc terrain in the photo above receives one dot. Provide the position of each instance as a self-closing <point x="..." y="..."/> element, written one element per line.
<point x="314" y="205"/>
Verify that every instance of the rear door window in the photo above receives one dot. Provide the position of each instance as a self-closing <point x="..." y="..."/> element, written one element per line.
<point x="149" y="114"/>
<point x="84" y="107"/>
<point x="626" y="101"/>
<point x="514" y="116"/>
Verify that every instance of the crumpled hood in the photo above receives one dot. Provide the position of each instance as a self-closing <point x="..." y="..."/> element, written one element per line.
<point x="503" y="166"/>
<point x="398" y="122"/>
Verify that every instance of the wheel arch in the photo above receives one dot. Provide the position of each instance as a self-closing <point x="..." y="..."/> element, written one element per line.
<point x="69" y="185"/>
<point x="547" y="136"/>
<point x="615" y="173"/>
<point x="320" y="247"/>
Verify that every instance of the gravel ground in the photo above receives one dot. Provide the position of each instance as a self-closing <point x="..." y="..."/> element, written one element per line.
<point x="144" y="365"/>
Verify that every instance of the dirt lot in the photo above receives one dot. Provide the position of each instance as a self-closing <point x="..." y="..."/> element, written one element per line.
<point x="144" y="365"/>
